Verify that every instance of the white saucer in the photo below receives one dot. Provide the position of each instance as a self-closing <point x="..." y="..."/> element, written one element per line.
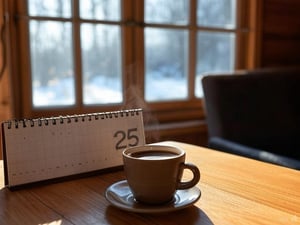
<point x="119" y="195"/>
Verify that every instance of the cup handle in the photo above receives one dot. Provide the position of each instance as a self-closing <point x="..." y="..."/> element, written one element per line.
<point x="188" y="184"/>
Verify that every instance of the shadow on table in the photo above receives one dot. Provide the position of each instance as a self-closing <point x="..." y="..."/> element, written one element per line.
<point x="189" y="216"/>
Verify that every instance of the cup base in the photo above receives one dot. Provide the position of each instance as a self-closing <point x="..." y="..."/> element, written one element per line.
<point x="172" y="200"/>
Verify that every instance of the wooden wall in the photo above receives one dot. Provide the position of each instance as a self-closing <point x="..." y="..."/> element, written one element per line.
<point x="280" y="41"/>
<point x="5" y="94"/>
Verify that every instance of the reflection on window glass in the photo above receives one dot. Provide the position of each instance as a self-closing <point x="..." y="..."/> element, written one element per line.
<point x="100" y="9"/>
<point x="52" y="8"/>
<point x="167" y="11"/>
<point x="101" y="57"/>
<point x="215" y="53"/>
<point x="51" y="63"/>
<point x="166" y="57"/>
<point x="216" y="13"/>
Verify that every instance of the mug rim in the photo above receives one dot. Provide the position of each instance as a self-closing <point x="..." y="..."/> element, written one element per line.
<point x="150" y="147"/>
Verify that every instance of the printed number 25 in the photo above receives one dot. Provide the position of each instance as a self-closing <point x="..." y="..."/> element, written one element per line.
<point x="131" y="136"/>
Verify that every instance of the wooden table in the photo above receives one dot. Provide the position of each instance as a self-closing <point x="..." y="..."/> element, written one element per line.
<point x="235" y="190"/>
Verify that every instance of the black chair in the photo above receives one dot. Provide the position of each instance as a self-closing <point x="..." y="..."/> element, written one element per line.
<point x="255" y="114"/>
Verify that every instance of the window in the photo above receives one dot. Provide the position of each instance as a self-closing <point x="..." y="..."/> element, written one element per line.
<point x="52" y="27"/>
<point x="80" y="56"/>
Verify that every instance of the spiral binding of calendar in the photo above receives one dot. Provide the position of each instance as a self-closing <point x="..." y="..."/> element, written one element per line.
<point x="69" y="118"/>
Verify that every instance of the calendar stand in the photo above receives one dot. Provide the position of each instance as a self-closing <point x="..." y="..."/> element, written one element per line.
<point x="53" y="148"/>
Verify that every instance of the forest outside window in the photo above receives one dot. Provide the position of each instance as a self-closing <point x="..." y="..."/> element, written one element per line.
<point x="51" y="47"/>
<point x="89" y="54"/>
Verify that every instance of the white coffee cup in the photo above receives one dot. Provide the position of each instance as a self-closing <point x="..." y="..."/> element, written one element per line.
<point x="154" y="172"/>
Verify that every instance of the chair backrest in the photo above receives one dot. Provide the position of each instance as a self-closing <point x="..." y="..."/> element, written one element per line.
<point x="258" y="108"/>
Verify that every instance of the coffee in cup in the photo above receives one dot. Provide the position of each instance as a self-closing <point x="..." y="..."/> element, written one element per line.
<point x="154" y="172"/>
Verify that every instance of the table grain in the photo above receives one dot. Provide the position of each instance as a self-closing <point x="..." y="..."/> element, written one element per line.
<point x="235" y="190"/>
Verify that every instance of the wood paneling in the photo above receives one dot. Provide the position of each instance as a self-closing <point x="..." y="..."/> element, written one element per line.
<point x="280" y="33"/>
<point x="193" y="132"/>
<point x="5" y="94"/>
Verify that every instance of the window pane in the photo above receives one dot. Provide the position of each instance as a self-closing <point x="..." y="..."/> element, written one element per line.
<point x="167" y="11"/>
<point x="52" y="8"/>
<point x="101" y="57"/>
<point x="216" y="13"/>
<point x="166" y="56"/>
<point x="52" y="63"/>
<point x="215" y="52"/>
<point x="100" y="9"/>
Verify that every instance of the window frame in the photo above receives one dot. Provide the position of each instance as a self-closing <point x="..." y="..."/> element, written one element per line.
<point x="133" y="63"/>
